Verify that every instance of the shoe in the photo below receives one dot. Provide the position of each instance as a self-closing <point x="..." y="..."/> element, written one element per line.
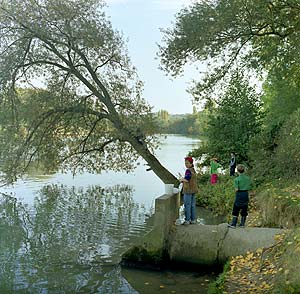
<point x="186" y="223"/>
<point x="178" y="222"/>
<point x="193" y="222"/>
<point x="231" y="226"/>
<point x="243" y="221"/>
<point x="233" y="222"/>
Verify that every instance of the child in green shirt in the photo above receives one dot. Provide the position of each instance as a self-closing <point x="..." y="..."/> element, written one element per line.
<point x="242" y="185"/>
<point x="214" y="165"/>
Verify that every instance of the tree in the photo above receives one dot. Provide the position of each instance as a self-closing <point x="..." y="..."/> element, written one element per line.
<point x="281" y="97"/>
<point x="235" y="121"/>
<point x="255" y="34"/>
<point x="90" y="114"/>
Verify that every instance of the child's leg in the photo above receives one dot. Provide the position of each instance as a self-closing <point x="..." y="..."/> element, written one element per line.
<point x="187" y="200"/>
<point x="193" y="207"/>
<point x="213" y="179"/>
<point x="244" y="213"/>
<point x="235" y="215"/>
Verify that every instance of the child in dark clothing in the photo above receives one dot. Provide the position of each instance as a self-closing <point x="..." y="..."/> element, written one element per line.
<point x="232" y="164"/>
<point x="242" y="185"/>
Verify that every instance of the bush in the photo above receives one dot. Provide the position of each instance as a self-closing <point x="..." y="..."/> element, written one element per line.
<point x="287" y="156"/>
<point x="275" y="153"/>
<point x="261" y="154"/>
<point x="218" y="197"/>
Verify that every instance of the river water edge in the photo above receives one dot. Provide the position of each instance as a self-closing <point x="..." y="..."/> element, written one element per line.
<point x="61" y="233"/>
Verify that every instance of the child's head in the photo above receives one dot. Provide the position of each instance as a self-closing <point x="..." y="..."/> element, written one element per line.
<point x="188" y="161"/>
<point x="240" y="168"/>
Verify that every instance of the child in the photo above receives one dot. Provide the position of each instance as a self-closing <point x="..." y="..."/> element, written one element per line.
<point x="242" y="185"/>
<point x="214" y="165"/>
<point x="232" y="165"/>
<point x="190" y="187"/>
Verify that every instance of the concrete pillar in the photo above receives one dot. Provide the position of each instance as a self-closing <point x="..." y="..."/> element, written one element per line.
<point x="152" y="247"/>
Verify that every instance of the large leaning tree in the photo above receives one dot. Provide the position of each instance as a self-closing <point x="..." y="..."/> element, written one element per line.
<point x="225" y="34"/>
<point x="87" y="112"/>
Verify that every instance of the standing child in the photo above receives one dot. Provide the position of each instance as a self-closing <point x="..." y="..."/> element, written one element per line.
<point x="242" y="185"/>
<point x="190" y="188"/>
<point x="214" y="165"/>
<point x="232" y="165"/>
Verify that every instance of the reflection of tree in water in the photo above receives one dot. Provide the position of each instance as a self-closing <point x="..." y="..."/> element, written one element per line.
<point x="11" y="235"/>
<point x="72" y="233"/>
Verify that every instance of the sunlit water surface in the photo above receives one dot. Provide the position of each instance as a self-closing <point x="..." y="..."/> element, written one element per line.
<point x="65" y="234"/>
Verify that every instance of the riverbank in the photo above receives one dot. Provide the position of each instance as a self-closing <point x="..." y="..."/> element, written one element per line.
<point x="197" y="245"/>
<point x="274" y="269"/>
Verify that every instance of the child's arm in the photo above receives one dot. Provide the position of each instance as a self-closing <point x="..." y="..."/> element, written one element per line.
<point x="187" y="176"/>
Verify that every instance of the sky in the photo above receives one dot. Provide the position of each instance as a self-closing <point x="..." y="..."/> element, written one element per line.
<point x="140" y="22"/>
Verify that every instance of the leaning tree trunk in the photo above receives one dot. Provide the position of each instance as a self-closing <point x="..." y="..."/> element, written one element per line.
<point x="141" y="148"/>
<point x="165" y="175"/>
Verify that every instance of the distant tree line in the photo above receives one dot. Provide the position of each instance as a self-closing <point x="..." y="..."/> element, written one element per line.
<point x="184" y="124"/>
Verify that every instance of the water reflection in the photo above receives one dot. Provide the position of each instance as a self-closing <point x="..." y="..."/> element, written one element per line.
<point x="62" y="235"/>
<point x="69" y="240"/>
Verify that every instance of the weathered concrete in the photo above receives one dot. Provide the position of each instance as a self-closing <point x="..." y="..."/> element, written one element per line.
<point x="152" y="247"/>
<point x="239" y="241"/>
<point x="214" y="244"/>
<point x="198" y="244"/>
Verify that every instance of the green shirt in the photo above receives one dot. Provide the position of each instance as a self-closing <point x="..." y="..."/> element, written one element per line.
<point x="214" y="167"/>
<point x="243" y="182"/>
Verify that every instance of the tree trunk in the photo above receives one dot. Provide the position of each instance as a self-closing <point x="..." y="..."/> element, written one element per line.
<point x="141" y="148"/>
<point x="165" y="175"/>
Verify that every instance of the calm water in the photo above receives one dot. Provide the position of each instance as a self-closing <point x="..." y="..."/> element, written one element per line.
<point x="65" y="234"/>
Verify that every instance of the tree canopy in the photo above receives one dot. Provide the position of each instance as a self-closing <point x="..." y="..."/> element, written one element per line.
<point x="254" y="34"/>
<point x="237" y="119"/>
<point x="90" y="113"/>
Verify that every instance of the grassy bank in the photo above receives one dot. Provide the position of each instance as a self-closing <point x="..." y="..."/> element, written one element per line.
<point x="273" y="270"/>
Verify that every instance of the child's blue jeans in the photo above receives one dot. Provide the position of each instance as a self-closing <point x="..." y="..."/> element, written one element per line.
<point x="189" y="201"/>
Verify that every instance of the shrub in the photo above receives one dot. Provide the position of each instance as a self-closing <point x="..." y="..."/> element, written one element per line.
<point x="287" y="156"/>
<point x="219" y="197"/>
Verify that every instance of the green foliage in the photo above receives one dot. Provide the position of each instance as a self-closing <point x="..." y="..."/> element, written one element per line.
<point x="281" y="96"/>
<point x="185" y="124"/>
<point x="276" y="153"/>
<point x="90" y="114"/>
<point x="163" y="115"/>
<point x="219" y="197"/>
<point x="279" y="204"/>
<point x="217" y="286"/>
<point x="287" y="156"/>
<point x="234" y="122"/>
<point x="255" y="34"/>
<point x="261" y="154"/>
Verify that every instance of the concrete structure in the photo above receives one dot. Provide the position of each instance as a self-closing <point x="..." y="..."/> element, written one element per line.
<point x="214" y="244"/>
<point x="197" y="244"/>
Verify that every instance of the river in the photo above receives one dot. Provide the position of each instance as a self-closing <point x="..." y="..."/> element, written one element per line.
<point x="65" y="234"/>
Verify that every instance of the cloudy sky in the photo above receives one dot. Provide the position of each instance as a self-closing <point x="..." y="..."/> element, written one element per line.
<point x="140" y="21"/>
